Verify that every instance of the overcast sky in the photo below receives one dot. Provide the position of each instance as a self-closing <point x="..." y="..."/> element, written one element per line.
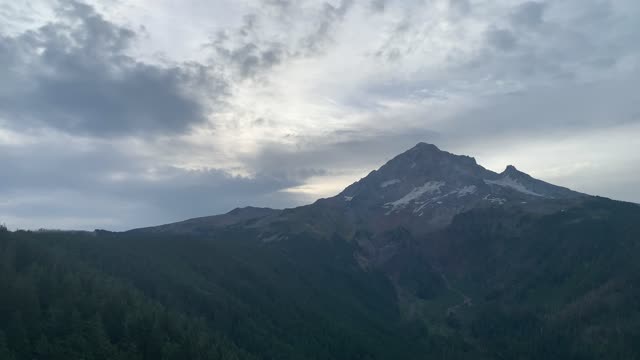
<point x="124" y="113"/>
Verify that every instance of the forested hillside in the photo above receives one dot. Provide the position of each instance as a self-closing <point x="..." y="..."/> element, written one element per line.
<point x="117" y="296"/>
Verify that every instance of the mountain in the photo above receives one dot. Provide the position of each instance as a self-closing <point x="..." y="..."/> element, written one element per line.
<point x="419" y="191"/>
<point x="430" y="256"/>
<point x="422" y="189"/>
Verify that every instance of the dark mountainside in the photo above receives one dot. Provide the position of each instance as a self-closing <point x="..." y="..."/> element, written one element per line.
<point x="430" y="256"/>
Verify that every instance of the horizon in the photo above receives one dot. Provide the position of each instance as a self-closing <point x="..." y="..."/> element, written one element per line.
<point x="137" y="113"/>
<point x="507" y="168"/>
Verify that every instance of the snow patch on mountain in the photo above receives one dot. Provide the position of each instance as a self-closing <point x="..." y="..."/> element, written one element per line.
<point x="461" y="192"/>
<point x="467" y="190"/>
<point x="494" y="200"/>
<point x="428" y="188"/>
<point x="389" y="183"/>
<point x="511" y="183"/>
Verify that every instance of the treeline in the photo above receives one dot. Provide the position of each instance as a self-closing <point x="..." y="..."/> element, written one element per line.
<point x="55" y="308"/>
<point x="133" y="296"/>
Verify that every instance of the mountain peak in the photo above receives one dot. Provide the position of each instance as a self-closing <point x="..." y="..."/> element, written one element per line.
<point x="511" y="170"/>
<point x="422" y="163"/>
<point x="426" y="154"/>
<point x="423" y="146"/>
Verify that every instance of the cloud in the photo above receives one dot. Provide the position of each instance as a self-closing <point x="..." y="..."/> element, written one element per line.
<point x="313" y="156"/>
<point x="329" y="17"/>
<point x="529" y="14"/>
<point x="74" y="75"/>
<point x="501" y="39"/>
<point x="378" y="5"/>
<point x="76" y="183"/>
<point x="460" y="6"/>
<point x="282" y="5"/>
<point x="265" y="40"/>
<point x="246" y="56"/>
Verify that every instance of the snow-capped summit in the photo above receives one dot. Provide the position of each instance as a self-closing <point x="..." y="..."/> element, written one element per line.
<point x="425" y="187"/>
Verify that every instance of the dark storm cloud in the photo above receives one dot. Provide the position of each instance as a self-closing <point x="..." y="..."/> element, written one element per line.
<point x="75" y="75"/>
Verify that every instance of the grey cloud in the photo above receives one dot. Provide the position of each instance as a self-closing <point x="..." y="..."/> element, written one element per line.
<point x="329" y="17"/>
<point x="536" y="42"/>
<point x="75" y="75"/>
<point x="529" y="14"/>
<point x="264" y="122"/>
<point x="282" y="5"/>
<point x="378" y="5"/>
<point x="340" y="152"/>
<point x="564" y="108"/>
<point x="249" y="24"/>
<point x="250" y="54"/>
<point x="394" y="47"/>
<point x="460" y="6"/>
<point x="251" y="59"/>
<point x="501" y="39"/>
<point x="107" y="186"/>
<point x="541" y="44"/>
<point x="244" y="52"/>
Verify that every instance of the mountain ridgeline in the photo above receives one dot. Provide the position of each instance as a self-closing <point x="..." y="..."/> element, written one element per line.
<point x="431" y="256"/>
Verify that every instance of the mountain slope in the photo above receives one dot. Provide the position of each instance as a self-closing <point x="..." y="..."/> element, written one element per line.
<point x="207" y="223"/>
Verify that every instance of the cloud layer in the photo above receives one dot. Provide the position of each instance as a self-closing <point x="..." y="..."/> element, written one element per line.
<point x="134" y="113"/>
<point x="74" y="75"/>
